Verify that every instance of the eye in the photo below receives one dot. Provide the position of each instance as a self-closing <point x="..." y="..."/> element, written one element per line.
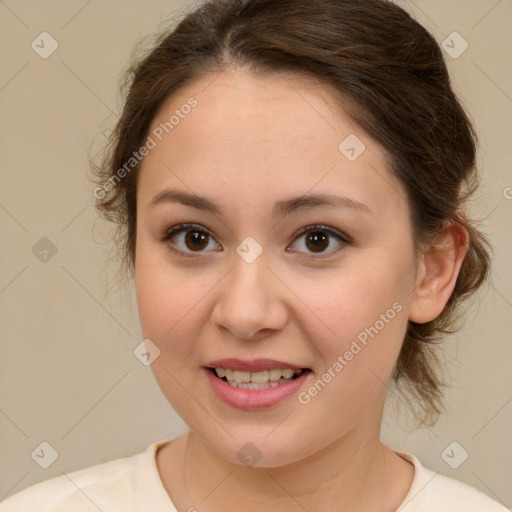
<point x="319" y="238"/>
<point x="188" y="238"/>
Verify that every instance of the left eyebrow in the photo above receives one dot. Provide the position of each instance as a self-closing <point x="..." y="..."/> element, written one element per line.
<point x="306" y="202"/>
<point x="281" y="208"/>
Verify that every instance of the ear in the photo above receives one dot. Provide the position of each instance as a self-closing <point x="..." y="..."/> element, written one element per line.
<point x="437" y="274"/>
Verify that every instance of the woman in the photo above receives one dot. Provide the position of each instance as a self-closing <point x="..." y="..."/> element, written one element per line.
<point x="288" y="177"/>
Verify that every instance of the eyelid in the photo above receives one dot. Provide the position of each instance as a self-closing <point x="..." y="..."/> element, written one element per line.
<point x="321" y="227"/>
<point x="182" y="227"/>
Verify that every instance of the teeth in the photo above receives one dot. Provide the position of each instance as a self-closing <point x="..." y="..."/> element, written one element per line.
<point x="263" y="377"/>
<point x="251" y="385"/>
<point x="257" y="377"/>
<point x="240" y="376"/>
<point x="275" y="374"/>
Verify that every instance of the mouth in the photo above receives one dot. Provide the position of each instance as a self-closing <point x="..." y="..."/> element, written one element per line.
<point x="263" y="379"/>
<point x="255" y="384"/>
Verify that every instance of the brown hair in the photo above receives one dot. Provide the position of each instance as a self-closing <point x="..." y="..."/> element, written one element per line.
<point x="391" y="79"/>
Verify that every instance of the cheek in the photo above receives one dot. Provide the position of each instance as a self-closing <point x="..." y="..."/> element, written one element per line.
<point x="171" y="303"/>
<point x="362" y="313"/>
<point x="358" y="329"/>
<point x="355" y="296"/>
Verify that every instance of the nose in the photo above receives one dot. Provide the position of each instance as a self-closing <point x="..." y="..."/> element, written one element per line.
<point x="250" y="303"/>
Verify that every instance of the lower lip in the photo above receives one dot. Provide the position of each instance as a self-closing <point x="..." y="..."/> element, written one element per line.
<point x="251" y="399"/>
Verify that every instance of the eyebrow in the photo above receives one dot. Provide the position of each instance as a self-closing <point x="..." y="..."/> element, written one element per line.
<point x="281" y="208"/>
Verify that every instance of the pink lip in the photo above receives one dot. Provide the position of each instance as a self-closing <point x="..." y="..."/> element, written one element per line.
<point x="255" y="365"/>
<point x="253" y="399"/>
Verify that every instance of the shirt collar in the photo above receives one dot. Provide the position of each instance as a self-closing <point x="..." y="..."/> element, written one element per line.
<point x="150" y="492"/>
<point x="152" y="496"/>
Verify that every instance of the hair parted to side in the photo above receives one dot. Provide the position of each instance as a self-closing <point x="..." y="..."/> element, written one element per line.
<point x="391" y="79"/>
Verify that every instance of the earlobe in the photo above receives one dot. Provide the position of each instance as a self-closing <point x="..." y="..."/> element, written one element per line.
<point x="437" y="274"/>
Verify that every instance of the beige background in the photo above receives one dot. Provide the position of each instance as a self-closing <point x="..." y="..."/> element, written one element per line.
<point x="68" y="375"/>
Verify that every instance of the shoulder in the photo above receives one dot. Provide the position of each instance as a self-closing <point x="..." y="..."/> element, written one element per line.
<point x="433" y="492"/>
<point x="105" y="486"/>
<point x="449" y="494"/>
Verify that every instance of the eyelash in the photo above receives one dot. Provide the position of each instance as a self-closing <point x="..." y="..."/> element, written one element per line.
<point x="308" y="229"/>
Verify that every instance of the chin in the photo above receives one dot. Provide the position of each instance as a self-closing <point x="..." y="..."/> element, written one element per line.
<point x="258" y="450"/>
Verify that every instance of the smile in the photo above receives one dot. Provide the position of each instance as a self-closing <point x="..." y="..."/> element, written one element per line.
<point x="253" y="390"/>
<point x="257" y="380"/>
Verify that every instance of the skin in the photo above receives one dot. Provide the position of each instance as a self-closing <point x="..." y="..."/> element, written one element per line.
<point x="250" y="142"/>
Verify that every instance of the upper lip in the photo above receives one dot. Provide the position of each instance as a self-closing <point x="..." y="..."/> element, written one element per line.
<point x="253" y="365"/>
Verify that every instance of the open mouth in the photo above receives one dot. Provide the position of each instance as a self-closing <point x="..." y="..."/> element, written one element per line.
<point x="257" y="380"/>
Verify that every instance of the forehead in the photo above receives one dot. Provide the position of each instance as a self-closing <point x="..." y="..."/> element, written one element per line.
<point x="238" y="105"/>
<point x="255" y="134"/>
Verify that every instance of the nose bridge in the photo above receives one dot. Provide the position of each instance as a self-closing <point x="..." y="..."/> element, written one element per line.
<point x="248" y="280"/>
<point x="248" y="303"/>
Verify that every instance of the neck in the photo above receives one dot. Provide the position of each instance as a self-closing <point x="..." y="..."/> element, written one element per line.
<point x="356" y="472"/>
<point x="335" y="474"/>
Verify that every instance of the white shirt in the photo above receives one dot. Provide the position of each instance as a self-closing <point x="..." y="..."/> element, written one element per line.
<point x="133" y="484"/>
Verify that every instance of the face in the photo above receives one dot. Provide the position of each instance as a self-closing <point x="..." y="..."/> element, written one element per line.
<point x="263" y="233"/>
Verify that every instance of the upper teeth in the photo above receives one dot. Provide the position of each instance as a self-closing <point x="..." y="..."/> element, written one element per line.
<point x="257" y="377"/>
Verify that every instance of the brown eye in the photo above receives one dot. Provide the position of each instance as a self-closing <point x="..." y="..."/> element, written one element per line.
<point x="196" y="240"/>
<point x="320" y="240"/>
<point x="317" y="241"/>
<point x="186" y="239"/>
